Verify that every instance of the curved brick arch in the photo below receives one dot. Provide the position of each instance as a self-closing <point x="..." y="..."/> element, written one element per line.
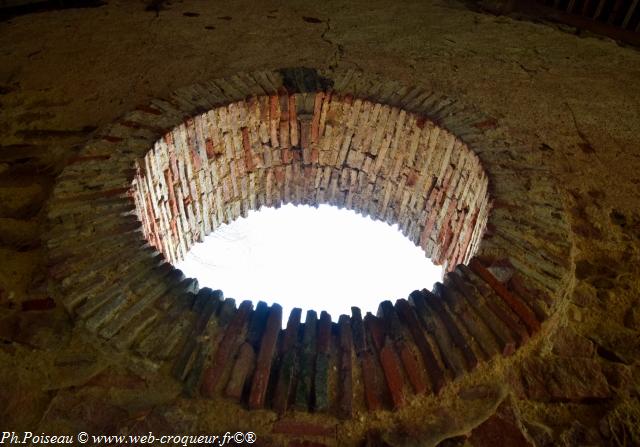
<point x="117" y="285"/>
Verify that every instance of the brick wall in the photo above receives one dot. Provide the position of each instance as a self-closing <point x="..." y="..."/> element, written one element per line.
<point x="312" y="148"/>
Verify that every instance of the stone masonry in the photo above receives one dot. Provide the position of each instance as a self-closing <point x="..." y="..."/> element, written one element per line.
<point x="532" y="339"/>
<point x="402" y="154"/>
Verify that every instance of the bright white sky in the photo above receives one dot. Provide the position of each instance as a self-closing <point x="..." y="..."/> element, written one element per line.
<point x="322" y="259"/>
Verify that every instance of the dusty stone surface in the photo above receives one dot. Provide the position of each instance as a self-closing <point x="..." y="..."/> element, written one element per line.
<point x="64" y="74"/>
<point x="563" y="379"/>
<point x="569" y="344"/>
<point x="503" y="427"/>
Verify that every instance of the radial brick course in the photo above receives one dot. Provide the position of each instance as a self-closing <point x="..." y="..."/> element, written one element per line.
<point x="148" y="187"/>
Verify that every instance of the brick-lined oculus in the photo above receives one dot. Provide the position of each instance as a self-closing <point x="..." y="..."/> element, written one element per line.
<point x="249" y="152"/>
<point x="310" y="149"/>
<point x="299" y="256"/>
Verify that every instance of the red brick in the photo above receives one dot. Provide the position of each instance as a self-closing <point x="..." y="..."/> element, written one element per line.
<point x="315" y="124"/>
<point x="173" y="161"/>
<point x="244" y="364"/>
<point x="449" y="320"/>
<point x="284" y="135"/>
<point x="518" y="331"/>
<point x="431" y="219"/>
<point x="485" y="341"/>
<point x="358" y="331"/>
<point x="373" y="326"/>
<point x="286" y="371"/>
<point x="407" y="314"/>
<point x="514" y="302"/>
<point x="274" y="119"/>
<point x="265" y="358"/>
<point x="213" y="373"/>
<point x="393" y="330"/>
<point x="445" y="226"/>
<point x="210" y="149"/>
<point x="464" y="244"/>
<point x="191" y="142"/>
<point x="372" y="383"/>
<point x="346" y="376"/>
<point x="248" y="153"/>
<point x="324" y="332"/>
<point x="503" y="336"/>
<point x="392" y="374"/>
<point x="305" y="140"/>
<point x="517" y="286"/>
<point x="411" y="366"/>
<point x="293" y="122"/>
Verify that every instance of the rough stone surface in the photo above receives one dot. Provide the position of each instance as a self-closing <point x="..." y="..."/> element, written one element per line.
<point x="569" y="344"/>
<point x="502" y="428"/>
<point x="560" y="106"/>
<point x="564" y="379"/>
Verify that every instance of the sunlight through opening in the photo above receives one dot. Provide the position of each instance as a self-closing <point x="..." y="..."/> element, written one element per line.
<point x="321" y="259"/>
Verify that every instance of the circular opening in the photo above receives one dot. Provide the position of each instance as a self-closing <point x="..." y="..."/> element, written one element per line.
<point x="305" y="148"/>
<point x="312" y="258"/>
<point x="312" y="149"/>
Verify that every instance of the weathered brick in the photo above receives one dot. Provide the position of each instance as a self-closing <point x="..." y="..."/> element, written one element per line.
<point x="225" y="350"/>
<point x="513" y="301"/>
<point x="321" y="390"/>
<point x="452" y="360"/>
<point x="306" y="362"/>
<point x="518" y="331"/>
<point x="473" y="298"/>
<point x="395" y="332"/>
<point x="357" y="329"/>
<point x="517" y="285"/>
<point x="372" y="381"/>
<point x="345" y="403"/>
<point x="375" y="330"/>
<point x="265" y="358"/>
<point x="458" y="337"/>
<point x="407" y="314"/>
<point x="242" y="367"/>
<point x="392" y="374"/>
<point x="288" y="355"/>
<point x="206" y="301"/>
<point x="471" y="321"/>
<point x="257" y="324"/>
<point x="324" y="332"/>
